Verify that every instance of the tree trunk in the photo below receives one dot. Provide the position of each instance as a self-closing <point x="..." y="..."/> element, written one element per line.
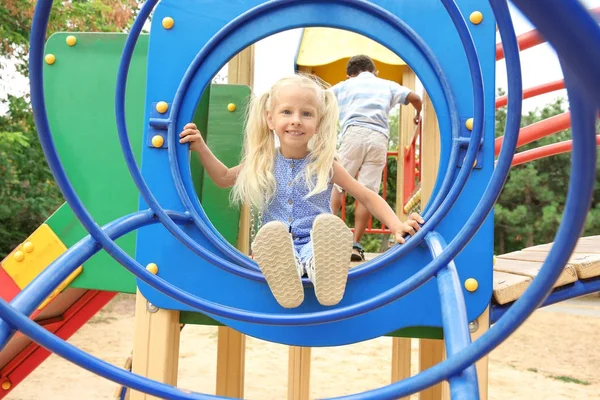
<point x="501" y="240"/>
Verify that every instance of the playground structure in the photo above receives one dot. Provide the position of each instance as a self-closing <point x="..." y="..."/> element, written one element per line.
<point x="379" y="291"/>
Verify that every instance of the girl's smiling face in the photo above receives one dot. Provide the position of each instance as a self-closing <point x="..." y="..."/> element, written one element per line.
<point x="294" y="118"/>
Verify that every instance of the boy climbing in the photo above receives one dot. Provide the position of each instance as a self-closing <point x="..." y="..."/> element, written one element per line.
<point x="365" y="102"/>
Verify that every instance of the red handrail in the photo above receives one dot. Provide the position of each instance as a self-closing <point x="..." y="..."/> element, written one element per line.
<point x="534" y="91"/>
<point x="533" y="38"/>
<point x="545" y="151"/>
<point x="539" y="130"/>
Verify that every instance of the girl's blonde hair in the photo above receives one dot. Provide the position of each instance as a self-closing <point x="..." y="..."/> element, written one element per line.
<point x="256" y="184"/>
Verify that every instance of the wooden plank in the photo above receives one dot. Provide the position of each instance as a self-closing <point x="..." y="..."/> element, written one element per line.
<point x="509" y="287"/>
<point x="587" y="245"/>
<point x="431" y="352"/>
<point x="406" y="128"/>
<point x="531" y="269"/>
<point x="431" y="150"/>
<point x="586" y="265"/>
<point x="483" y="323"/>
<point x="231" y="361"/>
<point x="299" y="373"/>
<point x="401" y="356"/>
<point x="156" y="345"/>
<point x="231" y="348"/>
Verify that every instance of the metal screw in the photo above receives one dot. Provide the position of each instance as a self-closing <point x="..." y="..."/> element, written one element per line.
<point x="473" y="326"/>
<point x="151" y="308"/>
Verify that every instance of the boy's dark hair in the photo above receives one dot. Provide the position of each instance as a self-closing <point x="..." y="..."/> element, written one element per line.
<point x="358" y="64"/>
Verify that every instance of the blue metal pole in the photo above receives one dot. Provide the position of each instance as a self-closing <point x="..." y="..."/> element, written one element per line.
<point x="579" y="196"/>
<point x="463" y="384"/>
<point x="91" y="363"/>
<point x="573" y="45"/>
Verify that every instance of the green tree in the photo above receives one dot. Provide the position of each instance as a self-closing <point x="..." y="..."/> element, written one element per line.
<point x="532" y="201"/>
<point x="74" y="15"/>
<point x="28" y="194"/>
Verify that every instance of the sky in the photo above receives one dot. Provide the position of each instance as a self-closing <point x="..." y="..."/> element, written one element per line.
<point x="539" y="64"/>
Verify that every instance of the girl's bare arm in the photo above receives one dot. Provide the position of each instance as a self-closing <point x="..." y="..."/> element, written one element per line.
<point x="221" y="175"/>
<point x="376" y="205"/>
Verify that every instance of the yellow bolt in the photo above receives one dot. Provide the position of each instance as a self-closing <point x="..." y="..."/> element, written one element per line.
<point x="153" y="268"/>
<point x="476" y="17"/>
<point x="19" y="256"/>
<point x="158" y="141"/>
<point x="71" y="40"/>
<point x="471" y="284"/>
<point x="162" y="107"/>
<point x="231" y="107"/>
<point x="6" y="385"/>
<point x="469" y="124"/>
<point x="168" y="22"/>
<point x="494" y="261"/>
<point x="28" y="247"/>
<point x="50" y="59"/>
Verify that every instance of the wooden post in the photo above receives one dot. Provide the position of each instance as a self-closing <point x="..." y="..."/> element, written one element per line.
<point x="431" y="351"/>
<point x="483" y="325"/>
<point x="156" y="344"/>
<point x="299" y="373"/>
<point x="401" y="347"/>
<point x="431" y="150"/>
<point x="406" y="128"/>
<point x="231" y="350"/>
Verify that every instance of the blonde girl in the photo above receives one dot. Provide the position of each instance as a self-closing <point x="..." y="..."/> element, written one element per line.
<point x="291" y="186"/>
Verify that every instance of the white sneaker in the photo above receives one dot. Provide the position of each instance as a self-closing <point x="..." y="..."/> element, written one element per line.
<point x="273" y="251"/>
<point x="332" y="248"/>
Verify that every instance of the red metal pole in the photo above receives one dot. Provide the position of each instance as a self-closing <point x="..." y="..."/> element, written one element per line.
<point x="539" y="130"/>
<point x="533" y="38"/>
<point x="534" y="91"/>
<point x="545" y="151"/>
<point x="525" y="41"/>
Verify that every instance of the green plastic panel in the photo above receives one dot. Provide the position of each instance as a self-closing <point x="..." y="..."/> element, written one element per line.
<point x="80" y="91"/>
<point x="201" y="121"/>
<point x="225" y="134"/>
<point x="193" y="318"/>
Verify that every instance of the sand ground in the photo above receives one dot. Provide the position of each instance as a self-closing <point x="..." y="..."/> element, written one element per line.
<point x="554" y="355"/>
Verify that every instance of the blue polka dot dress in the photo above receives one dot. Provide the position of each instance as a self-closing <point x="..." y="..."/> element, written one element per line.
<point x="290" y="205"/>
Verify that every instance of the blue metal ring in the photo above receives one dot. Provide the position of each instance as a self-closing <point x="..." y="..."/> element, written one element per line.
<point x="173" y="145"/>
<point x="220" y="39"/>
<point x="27" y="300"/>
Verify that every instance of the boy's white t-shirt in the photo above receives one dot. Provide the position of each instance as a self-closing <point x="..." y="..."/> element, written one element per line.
<point x="366" y="100"/>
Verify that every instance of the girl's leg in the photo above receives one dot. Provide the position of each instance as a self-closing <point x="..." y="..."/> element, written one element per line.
<point x="274" y="252"/>
<point x="328" y="268"/>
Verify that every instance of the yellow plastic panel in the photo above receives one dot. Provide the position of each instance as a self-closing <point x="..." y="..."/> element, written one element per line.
<point x="329" y="61"/>
<point x="33" y="256"/>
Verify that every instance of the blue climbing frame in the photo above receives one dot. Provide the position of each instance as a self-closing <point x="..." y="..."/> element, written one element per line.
<point x="178" y="70"/>
<point x="583" y="85"/>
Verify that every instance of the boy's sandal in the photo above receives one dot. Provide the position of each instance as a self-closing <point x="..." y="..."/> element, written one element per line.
<point x="358" y="254"/>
